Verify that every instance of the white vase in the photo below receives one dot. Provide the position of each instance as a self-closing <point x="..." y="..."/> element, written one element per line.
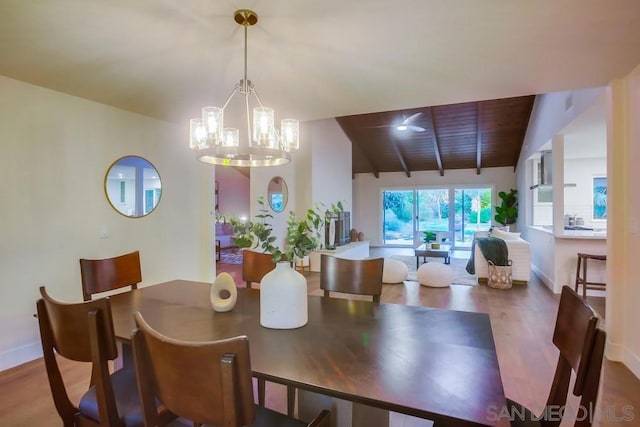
<point x="332" y="232"/>
<point x="283" y="298"/>
<point x="224" y="294"/>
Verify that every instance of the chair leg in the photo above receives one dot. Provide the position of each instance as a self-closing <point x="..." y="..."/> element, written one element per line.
<point x="585" y="281"/>
<point x="291" y="400"/>
<point x="578" y="274"/>
<point x="261" y="391"/>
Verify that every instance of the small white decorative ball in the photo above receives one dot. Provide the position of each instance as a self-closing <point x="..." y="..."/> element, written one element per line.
<point x="394" y="271"/>
<point x="435" y="274"/>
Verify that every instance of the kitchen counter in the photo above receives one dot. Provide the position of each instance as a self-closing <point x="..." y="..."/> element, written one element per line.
<point x="554" y="255"/>
<point x="573" y="234"/>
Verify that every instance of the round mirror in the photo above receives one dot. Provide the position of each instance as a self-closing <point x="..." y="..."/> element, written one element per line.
<point x="277" y="194"/>
<point x="133" y="186"/>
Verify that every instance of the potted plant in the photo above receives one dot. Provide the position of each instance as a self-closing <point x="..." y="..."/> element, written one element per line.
<point x="507" y="212"/>
<point x="283" y="291"/>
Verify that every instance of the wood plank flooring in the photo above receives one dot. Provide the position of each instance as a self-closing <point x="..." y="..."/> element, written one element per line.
<point x="522" y="319"/>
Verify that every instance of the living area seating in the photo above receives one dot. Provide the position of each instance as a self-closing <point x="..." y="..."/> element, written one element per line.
<point x="519" y="254"/>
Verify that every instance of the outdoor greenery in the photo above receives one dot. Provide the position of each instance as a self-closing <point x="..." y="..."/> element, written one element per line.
<point x="472" y="211"/>
<point x="507" y="212"/>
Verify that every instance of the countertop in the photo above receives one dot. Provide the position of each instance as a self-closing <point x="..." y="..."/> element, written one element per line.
<point x="573" y="234"/>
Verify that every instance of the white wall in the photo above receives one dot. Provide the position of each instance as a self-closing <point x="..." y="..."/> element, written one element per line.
<point x="331" y="164"/>
<point x="55" y="150"/>
<point x="367" y="191"/>
<point x="623" y="205"/>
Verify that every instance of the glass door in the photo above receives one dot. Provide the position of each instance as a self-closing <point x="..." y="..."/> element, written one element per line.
<point x="408" y="213"/>
<point x="472" y="207"/>
<point x="433" y="213"/>
<point x="397" y="217"/>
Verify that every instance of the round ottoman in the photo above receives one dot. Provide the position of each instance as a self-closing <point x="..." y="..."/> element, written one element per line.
<point x="435" y="274"/>
<point x="394" y="271"/>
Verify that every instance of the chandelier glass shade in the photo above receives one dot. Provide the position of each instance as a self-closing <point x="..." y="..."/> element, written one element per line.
<point x="263" y="145"/>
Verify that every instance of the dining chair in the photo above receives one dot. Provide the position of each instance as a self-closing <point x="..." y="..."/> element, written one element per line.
<point x="84" y="332"/>
<point x="205" y="382"/>
<point x="101" y="275"/>
<point x="359" y="277"/>
<point x="581" y="345"/>
<point x="255" y="265"/>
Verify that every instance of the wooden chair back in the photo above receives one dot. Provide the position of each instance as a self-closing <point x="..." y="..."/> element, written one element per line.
<point x="101" y="275"/>
<point x="361" y="277"/>
<point x="581" y="347"/>
<point x="255" y="265"/>
<point x="592" y="380"/>
<point x="81" y="332"/>
<point x="206" y="382"/>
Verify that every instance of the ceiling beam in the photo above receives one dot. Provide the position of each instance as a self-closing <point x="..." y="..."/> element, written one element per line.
<point x="478" y="138"/>
<point x="394" y="144"/>
<point x="355" y="141"/>
<point x="436" y="146"/>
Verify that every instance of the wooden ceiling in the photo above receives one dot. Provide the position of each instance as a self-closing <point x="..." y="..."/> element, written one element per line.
<point x="471" y="135"/>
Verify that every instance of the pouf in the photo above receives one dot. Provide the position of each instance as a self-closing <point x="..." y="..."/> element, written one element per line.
<point x="435" y="274"/>
<point x="394" y="271"/>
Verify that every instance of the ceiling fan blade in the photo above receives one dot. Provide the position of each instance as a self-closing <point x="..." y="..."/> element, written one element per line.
<point x="379" y="126"/>
<point x="411" y="118"/>
<point x="416" y="128"/>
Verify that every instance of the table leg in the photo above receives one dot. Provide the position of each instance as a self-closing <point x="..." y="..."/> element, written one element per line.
<point x="343" y="412"/>
<point x="417" y="261"/>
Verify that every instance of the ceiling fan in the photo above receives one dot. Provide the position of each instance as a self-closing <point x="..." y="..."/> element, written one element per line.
<point x="406" y="124"/>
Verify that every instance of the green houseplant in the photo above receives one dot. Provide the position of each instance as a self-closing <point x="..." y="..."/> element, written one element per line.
<point x="303" y="234"/>
<point x="429" y="236"/>
<point x="507" y="212"/>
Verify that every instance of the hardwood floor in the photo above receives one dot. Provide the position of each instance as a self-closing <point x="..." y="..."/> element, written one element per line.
<point x="522" y="319"/>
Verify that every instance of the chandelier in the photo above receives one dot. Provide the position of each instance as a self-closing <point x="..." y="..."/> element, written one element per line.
<point x="264" y="145"/>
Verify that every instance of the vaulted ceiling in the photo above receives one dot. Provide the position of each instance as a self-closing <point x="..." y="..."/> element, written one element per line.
<point x="472" y="135"/>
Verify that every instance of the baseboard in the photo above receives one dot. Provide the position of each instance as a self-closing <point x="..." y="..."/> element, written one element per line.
<point x="545" y="279"/>
<point x="484" y="281"/>
<point x="20" y="355"/>
<point x="632" y="361"/>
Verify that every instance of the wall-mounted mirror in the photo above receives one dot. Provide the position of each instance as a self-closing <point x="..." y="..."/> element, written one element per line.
<point x="132" y="185"/>
<point x="277" y="194"/>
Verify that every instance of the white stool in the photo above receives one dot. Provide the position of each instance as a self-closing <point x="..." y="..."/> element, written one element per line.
<point x="394" y="271"/>
<point x="435" y="274"/>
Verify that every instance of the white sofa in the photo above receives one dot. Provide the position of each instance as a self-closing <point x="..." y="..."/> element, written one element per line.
<point x="519" y="254"/>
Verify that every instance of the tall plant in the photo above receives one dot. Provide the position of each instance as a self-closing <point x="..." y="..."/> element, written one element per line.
<point x="303" y="235"/>
<point x="507" y="212"/>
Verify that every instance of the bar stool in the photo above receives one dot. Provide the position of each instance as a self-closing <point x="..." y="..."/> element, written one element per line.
<point x="582" y="260"/>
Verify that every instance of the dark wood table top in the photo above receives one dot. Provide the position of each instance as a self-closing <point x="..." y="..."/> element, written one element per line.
<point x="430" y="363"/>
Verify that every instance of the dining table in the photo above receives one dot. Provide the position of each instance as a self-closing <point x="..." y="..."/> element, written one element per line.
<point x="431" y="363"/>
